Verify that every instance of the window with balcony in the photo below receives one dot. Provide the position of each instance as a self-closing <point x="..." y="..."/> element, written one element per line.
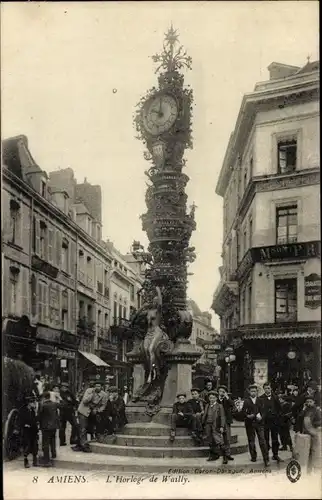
<point x="65" y="256"/>
<point x="33" y="295"/>
<point x="89" y="269"/>
<point x="285" y="300"/>
<point x="287" y="152"/>
<point x="14" y="291"/>
<point x="249" y="304"/>
<point x="43" y="238"/>
<point x="90" y="312"/>
<point x="42" y="301"/>
<point x="64" y="319"/>
<point x="115" y="312"/>
<point x="250" y="236"/>
<point x="81" y="309"/>
<point x="15" y="223"/>
<point x="243" y="307"/>
<point x="286" y="224"/>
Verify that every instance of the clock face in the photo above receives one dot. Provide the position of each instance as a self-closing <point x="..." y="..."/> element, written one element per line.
<point x="159" y="114"/>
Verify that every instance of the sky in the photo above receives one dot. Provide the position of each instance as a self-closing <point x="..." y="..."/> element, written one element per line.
<point x="72" y="74"/>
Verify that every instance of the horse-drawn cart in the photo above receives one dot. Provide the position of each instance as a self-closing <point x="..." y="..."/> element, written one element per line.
<point x="18" y="384"/>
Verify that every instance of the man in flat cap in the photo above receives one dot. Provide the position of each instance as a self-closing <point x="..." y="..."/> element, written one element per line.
<point x="29" y="424"/>
<point x="181" y="415"/>
<point x="119" y="408"/>
<point x="214" y="422"/>
<point x="198" y="408"/>
<point x="312" y="427"/>
<point x="67" y="411"/>
<point x="253" y="413"/>
<point x="92" y="404"/>
<point x="228" y="405"/>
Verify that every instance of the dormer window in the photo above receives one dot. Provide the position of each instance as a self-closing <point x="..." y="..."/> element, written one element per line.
<point x="43" y="188"/>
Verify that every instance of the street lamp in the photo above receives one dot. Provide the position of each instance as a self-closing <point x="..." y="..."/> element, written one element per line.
<point x="229" y="358"/>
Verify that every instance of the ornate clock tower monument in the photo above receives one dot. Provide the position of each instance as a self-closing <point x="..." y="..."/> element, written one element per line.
<point x="163" y="354"/>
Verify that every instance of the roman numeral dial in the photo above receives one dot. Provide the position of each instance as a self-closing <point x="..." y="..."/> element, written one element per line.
<point x="159" y="114"/>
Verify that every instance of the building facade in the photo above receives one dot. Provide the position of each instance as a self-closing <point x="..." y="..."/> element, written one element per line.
<point x="269" y="295"/>
<point x="206" y="339"/>
<point x="57" y="271"/>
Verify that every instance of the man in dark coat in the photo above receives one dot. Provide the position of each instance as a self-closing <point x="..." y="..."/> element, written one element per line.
<point x="49" y="423"/>
<point x="198" y="407"/>
<point x="285" y="422"/>
<point x="67" y="408"/>
<point x="119" y="409"/>
<point x="253" y="414"/>
<point x="29" y="424"/>
<point x="181" y="415"/>
<point x="228" y="405"/>
<point x="271" y="416"/>
<point x="214" y="422"/>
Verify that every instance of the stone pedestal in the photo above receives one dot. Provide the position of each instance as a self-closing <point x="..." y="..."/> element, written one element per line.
<point x="179" y="378"/>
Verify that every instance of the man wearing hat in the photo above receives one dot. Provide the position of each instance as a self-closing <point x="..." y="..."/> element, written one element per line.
<point x="271" y="417"/>
<point x="67" y="408"/>
<point x="119" y="409"/>
<point x="214" y="421"/>
<point x="228" y="405"/>
<point x="92" y="404"/>
<point x="29" y="424"/>
<point x="254" y="425"/>
<point x="312" y="427"/>
<point x="198" y="407"/>
<point x="181" y="415"/>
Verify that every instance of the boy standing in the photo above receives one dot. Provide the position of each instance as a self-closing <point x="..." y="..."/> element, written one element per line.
<point x="312" y="427"/>
<point x="214" y="420"/>
<point x="228" y="405"/>
<point x="48" y="420"/>
<point x="29" y="431"/>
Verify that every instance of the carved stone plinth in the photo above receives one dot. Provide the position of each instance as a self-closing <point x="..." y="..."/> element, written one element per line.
<point x="179" y="378"/>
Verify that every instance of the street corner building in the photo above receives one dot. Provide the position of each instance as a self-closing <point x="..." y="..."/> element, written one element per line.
<point x="67" y="294"/>
<point x="269" y="295"/>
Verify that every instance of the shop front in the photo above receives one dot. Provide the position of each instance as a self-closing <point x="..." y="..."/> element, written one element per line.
<point x="282" y="354"/>
<point x="91" y="367"/>
<point x="55" y="355"/>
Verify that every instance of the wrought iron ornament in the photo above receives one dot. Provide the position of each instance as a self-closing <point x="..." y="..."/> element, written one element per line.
<point x="163" y="123"/>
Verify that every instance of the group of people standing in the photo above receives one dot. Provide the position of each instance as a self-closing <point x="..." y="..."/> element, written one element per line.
<point x="271" y="416"/>
<point x="48" y="409"/>
<point x="209" y="414"/>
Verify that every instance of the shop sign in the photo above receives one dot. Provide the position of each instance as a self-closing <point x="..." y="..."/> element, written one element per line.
<point x="45" y="349"/>
<point x="312" y="291"/>
<point x="212" y="347"/>
<point x="62" y="353"/>
<point x="49" y="334"/>
<point x="304" y="250"/>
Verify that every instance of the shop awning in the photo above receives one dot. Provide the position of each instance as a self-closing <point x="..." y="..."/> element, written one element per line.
<point x="281" y="335"/>
<point x="94" y="359"/>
